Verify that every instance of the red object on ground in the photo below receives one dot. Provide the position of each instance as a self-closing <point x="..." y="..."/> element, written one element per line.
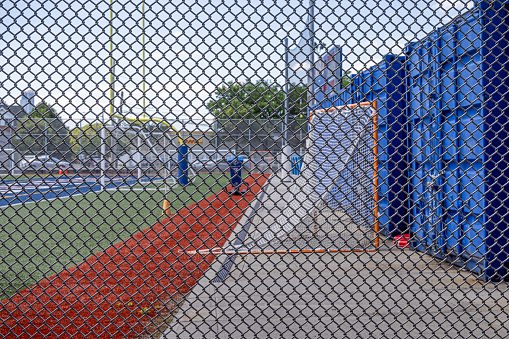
<point x="401" y="240"/>
<point x="115" y="293"/>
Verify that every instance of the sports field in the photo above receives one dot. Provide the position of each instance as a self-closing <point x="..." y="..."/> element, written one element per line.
<point x="54" y="227"/>
<point x="120" y="290"/>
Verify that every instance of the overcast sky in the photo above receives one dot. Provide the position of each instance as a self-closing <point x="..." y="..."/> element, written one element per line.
<point x="61" y="49"/>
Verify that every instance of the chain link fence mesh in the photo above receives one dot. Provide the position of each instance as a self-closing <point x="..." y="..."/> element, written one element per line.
<point x="199" y="169"/>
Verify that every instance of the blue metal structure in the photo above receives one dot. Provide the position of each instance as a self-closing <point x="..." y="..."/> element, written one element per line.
<point x="458" y="129"/>
<point x="385" y="84"/>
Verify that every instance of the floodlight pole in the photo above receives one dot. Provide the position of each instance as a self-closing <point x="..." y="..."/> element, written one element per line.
<point x="312" y="66"/>
<point x="103" y="154"/>
<point x="111" y="58"/>
<point x="143" y="44"/>
<point x="286" y="167"/>
<point x="103" y="127"/>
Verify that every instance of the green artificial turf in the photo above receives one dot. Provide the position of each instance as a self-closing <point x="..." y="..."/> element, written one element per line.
<point x="42" y="238"/>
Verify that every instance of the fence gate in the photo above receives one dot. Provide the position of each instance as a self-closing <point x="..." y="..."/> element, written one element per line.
<point x="254" y="169"/>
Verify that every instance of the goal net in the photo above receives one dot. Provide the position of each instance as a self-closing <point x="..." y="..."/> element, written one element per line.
<point x="144" y="155"/>
<point x="333" y="202"/>
<point x="9" y="162"/>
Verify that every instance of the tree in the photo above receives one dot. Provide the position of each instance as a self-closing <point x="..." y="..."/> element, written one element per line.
<point x="346" y="79"/>
<point x="42" y="131"/>
<point x="86" y="140"/>
<point x="262" y="99"/>
<point x="43" y="110"/>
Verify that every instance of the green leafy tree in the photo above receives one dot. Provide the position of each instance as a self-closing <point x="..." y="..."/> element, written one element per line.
<point x="346" y="79"/>
<point x="42" y="131"/>
<point x="86" y="140"/>
<point x="43" y="110"/>
<point x="262" y="99"/>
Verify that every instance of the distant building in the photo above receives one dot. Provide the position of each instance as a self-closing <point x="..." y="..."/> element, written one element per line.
<point x="8" y="116"/>
<point x="27" y="100"/>
<point x="9" y="113"/>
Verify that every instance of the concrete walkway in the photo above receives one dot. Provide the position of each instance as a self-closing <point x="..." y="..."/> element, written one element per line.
<point x="390" y="293"/>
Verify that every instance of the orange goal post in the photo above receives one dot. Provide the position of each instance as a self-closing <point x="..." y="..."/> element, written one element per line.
<point x="333" y="203"/>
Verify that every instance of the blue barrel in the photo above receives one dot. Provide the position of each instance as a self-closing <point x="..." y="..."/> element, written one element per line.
<point x="235" y="172"/>
<point x="296" y="164"/>
<point x="182" y="165"/>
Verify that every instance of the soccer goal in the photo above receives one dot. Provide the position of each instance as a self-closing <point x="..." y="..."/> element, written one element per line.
<point x="143" y="156"/>
<point x="9" y="162"/>
<point x="332" y="204"/>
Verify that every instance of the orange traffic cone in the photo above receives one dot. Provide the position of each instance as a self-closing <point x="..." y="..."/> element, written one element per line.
<point x="166" y="208"/>
<point x="60" y="172"/>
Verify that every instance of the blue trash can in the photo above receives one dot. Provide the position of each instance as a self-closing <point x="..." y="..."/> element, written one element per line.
<point x="296" y="164"/>
<point x="235" y="173"/>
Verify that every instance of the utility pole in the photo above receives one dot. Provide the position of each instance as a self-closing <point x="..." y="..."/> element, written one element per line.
<point x="103" y="154"/>
<point x="45" y="137"/>
<point x="286" y="167"/>
<point x="312" y="66"/>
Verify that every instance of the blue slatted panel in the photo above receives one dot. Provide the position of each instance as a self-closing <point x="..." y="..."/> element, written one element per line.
<point x="457" y="103"/>
<point x="384" y="83"/>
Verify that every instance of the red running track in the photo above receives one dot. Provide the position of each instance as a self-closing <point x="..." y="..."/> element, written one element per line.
<point x="117" y="292"/>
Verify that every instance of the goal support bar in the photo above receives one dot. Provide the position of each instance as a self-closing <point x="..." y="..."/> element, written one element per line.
<point x="375" y="169"/>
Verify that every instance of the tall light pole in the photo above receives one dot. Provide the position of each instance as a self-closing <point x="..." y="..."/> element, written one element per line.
<point x="143" y="44"/>
<point x="312" y="66"/>
<point x="103" y="127"/>
<point x="111" y="57"/>
<point x="287" y="150"/>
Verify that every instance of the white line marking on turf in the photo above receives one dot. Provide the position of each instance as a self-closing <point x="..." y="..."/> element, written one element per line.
<point x="41" y="200"/>
<point x="126" y="188"/>
<point x="75" y="195"/>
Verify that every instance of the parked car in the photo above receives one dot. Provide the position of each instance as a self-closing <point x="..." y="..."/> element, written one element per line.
<point x="42" y="163"/>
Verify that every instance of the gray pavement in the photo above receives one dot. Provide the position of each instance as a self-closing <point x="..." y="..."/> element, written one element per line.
<point x="392" y="293"/>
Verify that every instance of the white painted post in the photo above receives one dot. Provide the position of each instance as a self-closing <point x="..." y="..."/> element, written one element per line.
<point x="286" y="167"/>
<point x="103" y="155"/>
<point x="140" y="157"/>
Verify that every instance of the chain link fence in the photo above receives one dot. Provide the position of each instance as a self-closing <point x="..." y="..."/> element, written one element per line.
<point x="260" y="141"/>
<point x="240" y="169"/>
